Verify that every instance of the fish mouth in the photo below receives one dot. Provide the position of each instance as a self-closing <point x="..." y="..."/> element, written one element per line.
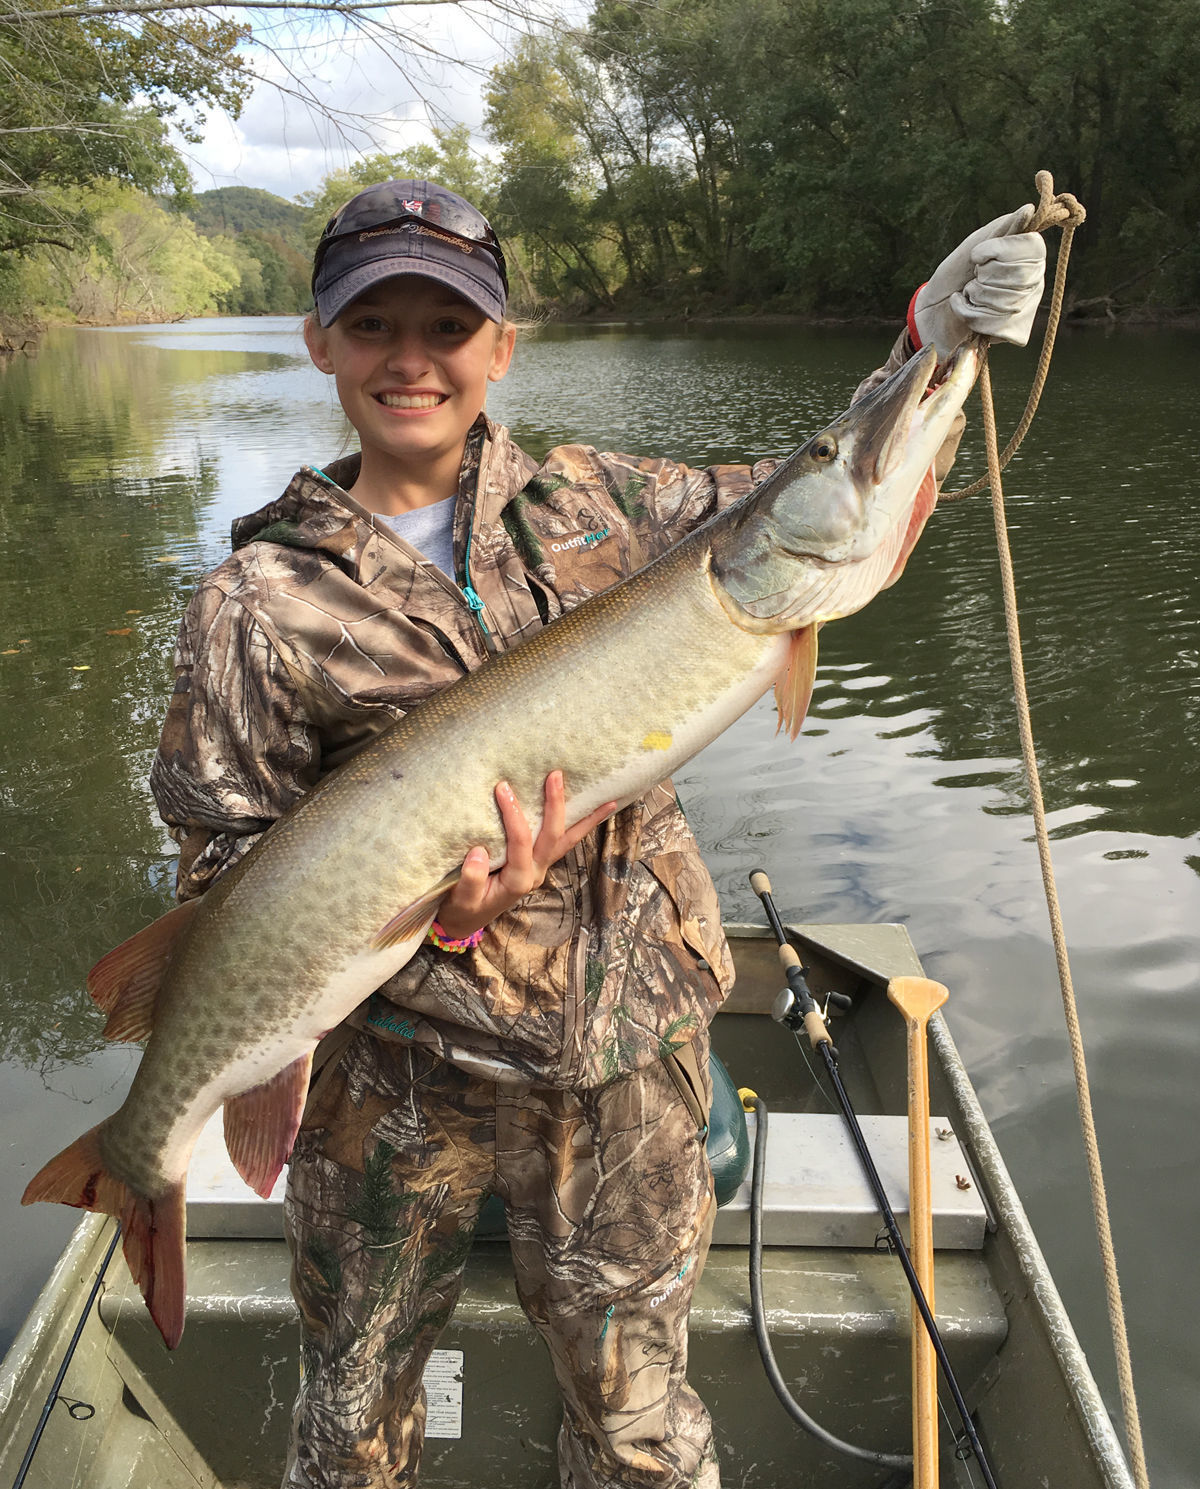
<point x="836" y="523"/>
<point x="896" y="422"/>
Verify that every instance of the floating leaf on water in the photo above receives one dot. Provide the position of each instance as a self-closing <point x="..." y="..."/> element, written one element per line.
<point x="121" y="631"/>
<point x="133" y="612"/>
<point x="167" y="558"/>
<point x="87" y="667"/>
<point x="24" y="641"/>
<point x="11" y="651"/>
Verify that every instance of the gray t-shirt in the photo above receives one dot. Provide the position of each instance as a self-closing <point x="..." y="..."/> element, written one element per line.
<point x="430" y="530"/>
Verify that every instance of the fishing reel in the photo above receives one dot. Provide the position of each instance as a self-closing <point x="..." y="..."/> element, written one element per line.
<point x="794" y="1002"/>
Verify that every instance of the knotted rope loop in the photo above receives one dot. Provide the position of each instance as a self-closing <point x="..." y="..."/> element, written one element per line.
<point x="1062" y="211"/>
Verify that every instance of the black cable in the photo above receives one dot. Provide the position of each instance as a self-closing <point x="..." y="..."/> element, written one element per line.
<point x="758" y="1311"/>
<point x="23" y="1471"/>
<point x="804" y="1012"/>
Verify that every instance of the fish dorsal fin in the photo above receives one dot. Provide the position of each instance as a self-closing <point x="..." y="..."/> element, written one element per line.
<point x="125" y="983"/>
<point x="414" y="919"/>
<point x="261" y="1124"/>
<point x="793" y="690"/>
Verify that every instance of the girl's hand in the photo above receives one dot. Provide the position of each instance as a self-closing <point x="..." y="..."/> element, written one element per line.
<point x="479" y="896"/>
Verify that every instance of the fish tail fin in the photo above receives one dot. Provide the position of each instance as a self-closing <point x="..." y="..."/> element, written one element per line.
<point x="153" y="1228"/>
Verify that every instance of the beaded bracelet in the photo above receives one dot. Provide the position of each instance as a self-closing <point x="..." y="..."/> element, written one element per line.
<point x="454" y="943"/>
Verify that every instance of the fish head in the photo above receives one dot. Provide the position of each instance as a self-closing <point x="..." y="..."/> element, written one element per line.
<point x="833" y="525"/>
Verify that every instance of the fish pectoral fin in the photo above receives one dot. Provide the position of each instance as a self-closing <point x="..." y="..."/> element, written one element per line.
<point x="414" y="919"/>
<point x="261" y="1124"/>
<point x="793" y="690"/>
<point x="125" y="983"/>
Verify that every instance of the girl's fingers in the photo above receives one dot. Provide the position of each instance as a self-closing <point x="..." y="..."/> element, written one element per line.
<point x="475" y="870"/>
<point x="554" y="809"/>
<point x="581" y="829"/>
<point x="555" y="839"/>
<point x="519" y="864"/>
<point x="472" y="884"/>
<point x="480" y="895"/>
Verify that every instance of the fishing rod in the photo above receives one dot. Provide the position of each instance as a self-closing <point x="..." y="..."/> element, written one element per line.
<point x="52" y="1396"/>
<point x="797" y="1008"/>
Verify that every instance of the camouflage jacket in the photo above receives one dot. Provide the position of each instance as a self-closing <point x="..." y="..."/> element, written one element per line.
<point x="323" y="627"/>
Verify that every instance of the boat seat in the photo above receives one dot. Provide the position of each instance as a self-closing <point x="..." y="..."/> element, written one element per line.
<point x="728" y="1144"/>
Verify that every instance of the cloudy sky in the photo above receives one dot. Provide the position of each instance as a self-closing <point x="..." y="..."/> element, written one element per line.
<point x="331" y="93"/>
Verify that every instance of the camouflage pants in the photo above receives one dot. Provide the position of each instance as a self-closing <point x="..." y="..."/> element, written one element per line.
<point x="610" y="1207"/>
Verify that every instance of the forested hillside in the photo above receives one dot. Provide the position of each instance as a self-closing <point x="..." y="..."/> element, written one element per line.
<point x="822" y="154"/>
<point x="264" y="235"/>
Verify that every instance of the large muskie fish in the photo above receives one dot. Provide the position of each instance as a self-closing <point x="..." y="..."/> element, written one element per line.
<point x="235" y="989"/>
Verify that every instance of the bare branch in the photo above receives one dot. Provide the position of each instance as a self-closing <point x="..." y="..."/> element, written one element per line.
<point x="155" y="7"/>
<point x="104" y="129"/>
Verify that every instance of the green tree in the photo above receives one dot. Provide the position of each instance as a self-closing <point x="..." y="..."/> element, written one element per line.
<point x="143" y="263"/>
<point x="1108" y="95"/>
<point x="545" y="207"/>
<point x="85" y="96"/>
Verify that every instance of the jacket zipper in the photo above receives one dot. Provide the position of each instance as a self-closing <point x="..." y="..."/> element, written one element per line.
<point x="472" y="597"/>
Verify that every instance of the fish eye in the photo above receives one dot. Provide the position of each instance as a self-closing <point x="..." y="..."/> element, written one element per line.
<point x="824" y="449"/>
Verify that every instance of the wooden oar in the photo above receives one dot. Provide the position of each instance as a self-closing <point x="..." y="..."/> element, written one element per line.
<point x="917" y="998"/>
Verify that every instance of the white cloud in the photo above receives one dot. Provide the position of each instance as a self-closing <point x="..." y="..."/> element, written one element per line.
<point x="331" y="93"/>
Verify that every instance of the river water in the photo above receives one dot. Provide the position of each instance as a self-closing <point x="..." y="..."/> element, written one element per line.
<point x="127" y="452"/>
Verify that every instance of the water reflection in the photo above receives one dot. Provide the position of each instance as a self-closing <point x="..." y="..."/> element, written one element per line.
<point x="128" y="453"/>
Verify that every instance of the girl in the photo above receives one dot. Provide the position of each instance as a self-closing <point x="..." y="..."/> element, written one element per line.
<point x="550" y="1042"/>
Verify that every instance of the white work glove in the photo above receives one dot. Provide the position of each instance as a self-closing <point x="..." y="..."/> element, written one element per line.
<point x="992" y="284"/>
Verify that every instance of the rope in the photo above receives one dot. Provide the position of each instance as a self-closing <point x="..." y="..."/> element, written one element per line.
<point x="1051" y="211"/>
<point x="1066" y="211"/>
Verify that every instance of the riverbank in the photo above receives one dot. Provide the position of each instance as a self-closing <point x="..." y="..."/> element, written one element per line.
<point x="127" y="456"/>
<point x="717" y="311"/>
<point x="19" y="334"/>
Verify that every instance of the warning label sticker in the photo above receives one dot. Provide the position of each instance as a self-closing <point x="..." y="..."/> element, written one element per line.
<point x="444" y="1393"/>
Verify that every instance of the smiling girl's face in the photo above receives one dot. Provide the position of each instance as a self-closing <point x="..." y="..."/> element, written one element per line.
<point x="412" y="362"/>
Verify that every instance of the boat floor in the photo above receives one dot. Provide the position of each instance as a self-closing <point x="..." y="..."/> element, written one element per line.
<point x="839" y="1321"/>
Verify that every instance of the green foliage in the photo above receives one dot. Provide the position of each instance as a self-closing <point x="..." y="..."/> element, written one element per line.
<point x="83" y="98"/>
<point x="670" y="1040"/>
<point x="264" y="236"/>
<point x="328" y="1264"/>
<point x="233" y="210"/>
<point x="377" y="1206"/>
<point x="141" y="263"/>
<point x="825" y="154"/>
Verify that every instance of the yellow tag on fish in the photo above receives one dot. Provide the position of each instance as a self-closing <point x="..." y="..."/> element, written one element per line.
<point x="657" y="739"/>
